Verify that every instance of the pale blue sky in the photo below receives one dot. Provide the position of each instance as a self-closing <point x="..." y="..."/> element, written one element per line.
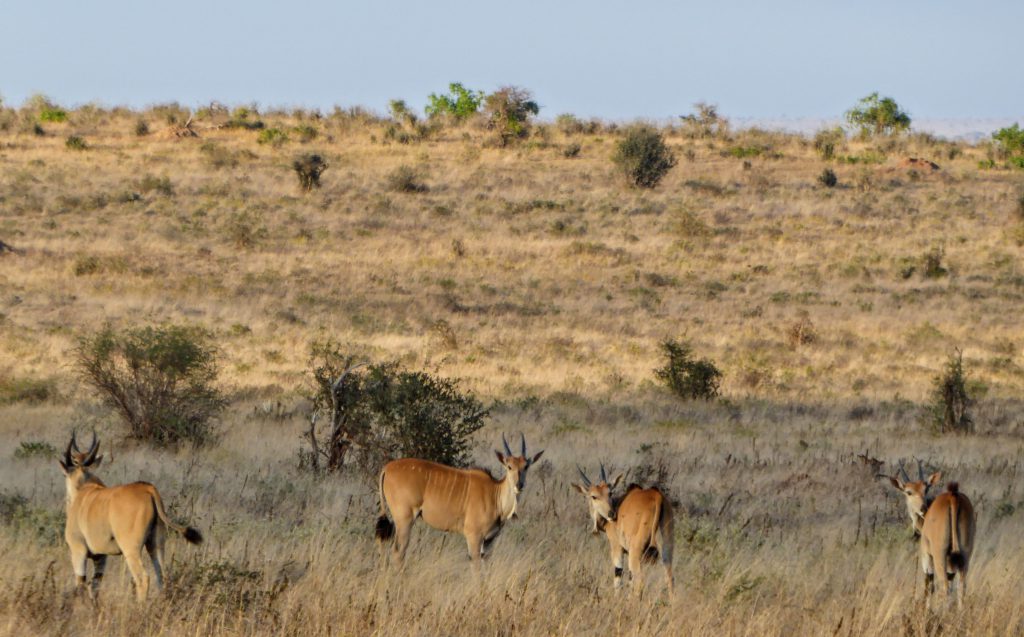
<point x="618" y="60"/>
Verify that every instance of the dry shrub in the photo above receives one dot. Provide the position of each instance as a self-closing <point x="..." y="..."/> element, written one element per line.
<point x="802" y="332"/>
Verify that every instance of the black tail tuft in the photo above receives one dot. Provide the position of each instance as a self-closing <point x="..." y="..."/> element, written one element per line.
<point x="385" y="529"/>
<point x="953" y="487"/>
<point x="193" y="536"/>
<point x="650" y="555"/>
<point x="956" y="560"/>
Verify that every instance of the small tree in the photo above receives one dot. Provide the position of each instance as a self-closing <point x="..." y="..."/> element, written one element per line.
<point x="949" y="410"/>
<point x="508" y="112"/>
<point x="460" y="102"/>
<point x="876" y="115"/>
<point x="1009" y="141"/>
<point x="704" y="122"/>
<point x="308" y="169"/>
<point x="642" y="156"/>
<point x="688" y="378"/>
<point x="158" y="379"/>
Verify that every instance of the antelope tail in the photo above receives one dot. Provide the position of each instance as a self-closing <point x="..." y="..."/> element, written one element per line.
<point x="385" y="528"/>
<point x="191" y="535"/>
<point x="653" y="550"/>
<point x="956" y="557"/>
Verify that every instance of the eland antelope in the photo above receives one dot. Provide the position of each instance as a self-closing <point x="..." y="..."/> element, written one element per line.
<point x="945" y="525"/>
<point x="466" y="501"/>
<point x="639" y="524"/>
<point x="119" y="520"/>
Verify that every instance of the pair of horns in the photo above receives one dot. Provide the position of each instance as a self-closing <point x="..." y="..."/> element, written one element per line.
<point x="88" y="457"/>
<point x="508" y="450"/>
<point x="920" y="471"/>
<point x="604" y="476"/>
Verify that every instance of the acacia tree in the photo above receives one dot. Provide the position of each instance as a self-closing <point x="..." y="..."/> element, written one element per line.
<point x="876" y="115"/>
<point x="509" y="110"/>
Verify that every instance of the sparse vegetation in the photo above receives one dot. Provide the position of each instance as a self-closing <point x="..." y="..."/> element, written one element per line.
<point x="405" y="179"/>
<point x="74" y="142"/>
<point x="159" y="380"/>
<point x="643" y="157"/>
<point x="828" y="178"/>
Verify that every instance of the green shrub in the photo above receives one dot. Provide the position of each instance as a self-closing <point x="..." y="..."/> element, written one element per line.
<point x="305" y="133"/>
<point x="245" y="118"/>
<point x="405" y="179"/>
<point x="933" y="268"/>
<point x="460" y="102"/>
<point x="704" y="122"/>
<point x="401" y="113"/>
<point x="74" y="142"/>
<point x="686" y="377"/>
<point x="35" y="449"/>
<point x="159" y="185"/>
<point x="273" y="136"/>
<point x="828" y="178"/>
<point x="53" y="114"/>
<point x="828" y="141"/>
<point x="1010" y="140"/>
<point x="246" y="229"/>
<point x="875" y="115"/>
<point x="951" y="402"/>
<point x="26" y="390"/>
<point x="642" y="156"/>
<point x="385" y="412"/>
<point x="159" y="380"/>
<point x="308" y="169"/>
<point x="508" y="111"/>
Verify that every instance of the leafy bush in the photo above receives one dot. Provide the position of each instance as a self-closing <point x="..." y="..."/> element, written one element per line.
<point x="141" y="128"/>
<point x="308" y="169"/>
<point x="875" y="115"/>
<point x="74" y="142"/>
<point x="26" y="390"/>
<point x="949" y="409"/>
<point x="35" y="449"/>
<point x="159" y="380"/>
<point x="401" y="113"/>
<point x="385" y="412"/>
<point x="405" y="179"/>
<point x="160" y="185"/>
<point x="643" y="156"/>
<point x="51" y="113"/>
<point x="273" y="136"/>
<point x="704" y="122"/>
<point x="246" y="118"/>
<point x="305" y="133"/>
<point x="827" y="141"/>
<point x="508" y="111"/>
<point x="460" y="102"/>
<point x="1010" y="139"/>
<point x="686" y="377"/>
<point x="828" y="178"/>
<point x="572" y="150"/>
<point x="933" y="268"/>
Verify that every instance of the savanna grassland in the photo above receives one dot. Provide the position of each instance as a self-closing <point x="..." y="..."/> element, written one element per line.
<point x="538" y="277"/>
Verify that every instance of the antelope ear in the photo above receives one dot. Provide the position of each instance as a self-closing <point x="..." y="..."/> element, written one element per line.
<point x="501" y="456"/>
<point x="579" y="487"/>
<point x="537" y="457"/>
<point x="616" y="481"/>
<point x="95" y="462"/>
<point x="896" y="483"/>
<point x="934" y="478"/>
<point x="63" y="467"/>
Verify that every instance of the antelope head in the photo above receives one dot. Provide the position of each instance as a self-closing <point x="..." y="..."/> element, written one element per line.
<point x="516" y="465"/>
<point x="599" y="498"/>
<point x="915" y="492"/>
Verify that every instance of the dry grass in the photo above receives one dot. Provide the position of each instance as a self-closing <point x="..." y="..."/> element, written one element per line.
<point x="552" y="284"/>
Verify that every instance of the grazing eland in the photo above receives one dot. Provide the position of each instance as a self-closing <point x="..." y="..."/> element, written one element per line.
<point x="945" y="525"/>
<point x="119" y="520"/>
<point x="639" y="524"/>
<point x="466" y="501"/>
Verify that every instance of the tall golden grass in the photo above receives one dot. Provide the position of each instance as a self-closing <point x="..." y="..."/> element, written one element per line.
<point x="546" y="284"/>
